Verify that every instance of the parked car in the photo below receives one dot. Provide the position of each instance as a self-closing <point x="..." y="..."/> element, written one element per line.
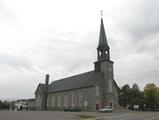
<point x="106" y="109"/>
<point x="75" y="109"/>
<point x="66" y="109"/>
<point x="72" y="109"/>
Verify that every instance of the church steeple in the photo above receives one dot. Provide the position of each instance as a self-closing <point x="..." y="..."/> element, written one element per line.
<point x="103" y="48"/>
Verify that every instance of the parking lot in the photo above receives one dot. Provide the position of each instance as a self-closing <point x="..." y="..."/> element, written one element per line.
<point x="52" y="115"/>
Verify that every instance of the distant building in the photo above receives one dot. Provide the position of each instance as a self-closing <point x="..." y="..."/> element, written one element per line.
<point x="20" y="104"/>
<point x="25" y="104"/>
<point x="88" y="91"/>
<point x="30" y="104"/>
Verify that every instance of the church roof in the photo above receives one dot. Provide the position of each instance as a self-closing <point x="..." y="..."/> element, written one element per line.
<point x="75" y="82"/>
<point x="103" y="44"/>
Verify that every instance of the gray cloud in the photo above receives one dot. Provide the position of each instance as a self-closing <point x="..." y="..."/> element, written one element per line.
<point x="14" y="62"/>
<point x="140" y="19"/>
<point x="134" y="46"/>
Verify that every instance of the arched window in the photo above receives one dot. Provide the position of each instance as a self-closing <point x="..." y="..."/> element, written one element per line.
<point x="59" y="101"/>
<point x="73" y="99"/>
<point x="110" y="86"/>
<point x="66" y="100"/>
<point x="80" y="98"/>
<point x="53" y="101"/>
<point x="97" y="90"/>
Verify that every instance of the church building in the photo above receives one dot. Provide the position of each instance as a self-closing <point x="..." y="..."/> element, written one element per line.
<point x="88" y="91"/>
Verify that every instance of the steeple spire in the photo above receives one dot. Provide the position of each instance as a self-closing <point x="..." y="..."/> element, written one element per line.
<point x="103" y="48"/>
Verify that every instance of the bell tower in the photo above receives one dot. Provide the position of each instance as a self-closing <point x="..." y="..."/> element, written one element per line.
<point x="103" y="47"/>
<point x="104" y="66"/>
<point x="103" y="53"/>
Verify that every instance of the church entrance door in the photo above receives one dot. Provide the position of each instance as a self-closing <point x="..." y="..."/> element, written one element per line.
<point x="97" y="106"/>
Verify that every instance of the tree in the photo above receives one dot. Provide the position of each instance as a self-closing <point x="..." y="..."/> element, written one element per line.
<point x="135" y="92"/>
<point x="131" y="96"/>
<point x="0" y="104"/>
<point x="149" y="98"/>
<point x="135" y="88"/>
<point x="124" y="95"/>
<point x="151" y="94"/>
<point x="4" y="105"/>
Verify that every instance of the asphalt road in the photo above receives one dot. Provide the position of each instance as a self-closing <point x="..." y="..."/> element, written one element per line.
<point x="52" y="115"/>
<point x="130" y="116"/>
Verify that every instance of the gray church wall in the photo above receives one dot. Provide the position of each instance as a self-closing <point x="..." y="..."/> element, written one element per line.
<point x="116" y="97"/>
<point x="39" y="100"/>
<point x="108" y="87"/>
<point x="107" y="84"/>
<point x="89" y="99"/>
<point x="86" y="102"/>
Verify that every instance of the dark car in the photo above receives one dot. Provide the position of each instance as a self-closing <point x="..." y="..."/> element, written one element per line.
<point x="66" y="109"/>
<point x="75" y="109"/>
<point x="72" y="109"/>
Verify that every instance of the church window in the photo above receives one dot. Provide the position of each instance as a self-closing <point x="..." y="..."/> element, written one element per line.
<point x="80" y="99"/>
<point x="53" y="102"/>
<point x="97" y="91"/>
<point x="66" y="100"/>
<point x="110" y="85"/>
<point x="85" y="103"/>
<point x="73" y="99"/>
<point x="59" y="101"/>
<point x="48" y="101"/>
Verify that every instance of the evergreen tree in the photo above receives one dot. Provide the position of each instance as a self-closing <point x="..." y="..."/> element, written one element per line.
<point x="124" y="95"/>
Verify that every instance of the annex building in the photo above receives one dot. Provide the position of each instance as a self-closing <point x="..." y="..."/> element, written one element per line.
<point x="88" y="91"/>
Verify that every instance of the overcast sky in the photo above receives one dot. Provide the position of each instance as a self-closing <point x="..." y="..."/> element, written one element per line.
<point x="60" y="37"/>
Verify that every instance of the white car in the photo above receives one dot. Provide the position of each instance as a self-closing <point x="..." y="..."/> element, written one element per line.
<point x="106" y="109"/>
